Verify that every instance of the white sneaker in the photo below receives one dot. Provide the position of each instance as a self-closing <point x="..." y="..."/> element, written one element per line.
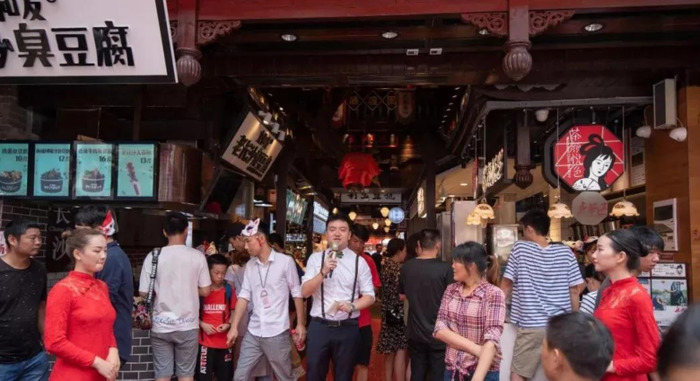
<point x="298" y="372"/>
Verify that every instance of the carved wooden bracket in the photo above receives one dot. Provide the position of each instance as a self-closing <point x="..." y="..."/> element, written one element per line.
<point x="208" y="31"/>
<point x="497" y="23"/>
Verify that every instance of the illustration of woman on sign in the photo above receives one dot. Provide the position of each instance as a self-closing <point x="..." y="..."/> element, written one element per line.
<point x="598" y="160"/>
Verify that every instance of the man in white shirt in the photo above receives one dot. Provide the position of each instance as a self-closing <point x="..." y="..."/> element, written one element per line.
<point x="268" y="280"/>
<point x="335" y="279"/>
<point x="181" y="277"/>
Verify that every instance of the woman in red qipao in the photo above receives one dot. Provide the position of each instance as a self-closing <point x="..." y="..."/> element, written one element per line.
<point x="626" y="308"/>
<point x="80" y="317"/>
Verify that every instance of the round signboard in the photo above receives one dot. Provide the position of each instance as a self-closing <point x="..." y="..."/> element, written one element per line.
<point x="590" y="208"/>
<point x="396" y="215"/>
<point x="588" y="158"/>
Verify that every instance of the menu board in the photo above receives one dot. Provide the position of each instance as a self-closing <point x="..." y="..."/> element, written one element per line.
<point x="51" y="170"/>
<point x="93" y="170"/>
<point x="14" y="169"/>
<point x="136" y="171"/>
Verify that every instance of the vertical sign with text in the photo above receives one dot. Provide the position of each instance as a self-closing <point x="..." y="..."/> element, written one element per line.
<point x="57" y="258"/>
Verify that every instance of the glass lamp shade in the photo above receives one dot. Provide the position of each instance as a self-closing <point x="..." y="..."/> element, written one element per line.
<point x="375" y="226"/>
<point x="473" y="219"/>
<point x="352" y="215"/>
<point x="484" y="211"/>
<point x="559" y="210"/>
<point x="386" y="229"/>
<point x="624" y="208"/>
<point x="385" y="212"/>
<point x="387" y="222"/>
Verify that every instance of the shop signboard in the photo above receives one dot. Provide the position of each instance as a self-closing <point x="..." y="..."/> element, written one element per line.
<point x="93" y="170"/>
<point x="396" y="215"/>
<point x="357" y="198"/>
<point x="494" y="171"/>
<point x="253" y="149"/>
<point x="136" y="171"/>
<point x="320" y="211"/>
<point x="77" y="41"/>
<point x="14" y="169"/>
<point x="296" y="208"/>
<point x="588" y="158"/>
<point x="52" y="163"/>
<point x="590" y="208"/>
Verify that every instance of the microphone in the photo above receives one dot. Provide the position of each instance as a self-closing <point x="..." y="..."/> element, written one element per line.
<point x="334" y="253"/>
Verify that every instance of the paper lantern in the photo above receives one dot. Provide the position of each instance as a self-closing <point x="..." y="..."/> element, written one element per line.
<point x="386" y="229"/>
<point x="473" y="219"/>
<point x="357" y="170"/>
<point x="484" y="211"/>
<point x="624" y="208"/>
<point x="375" y="225"/>
<point x="385" y="212"/>
<point x="352" y="215"/>
<point x="387" y="222"/>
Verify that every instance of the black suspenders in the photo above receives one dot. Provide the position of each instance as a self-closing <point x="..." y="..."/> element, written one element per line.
<point x="354" y="284"/>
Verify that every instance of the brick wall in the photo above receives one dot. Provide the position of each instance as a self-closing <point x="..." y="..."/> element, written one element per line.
<point x="15" y="122"/>
<point x="14" y="210"/>
<point x="140" y="365"/>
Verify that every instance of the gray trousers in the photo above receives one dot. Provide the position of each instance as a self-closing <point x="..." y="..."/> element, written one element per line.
<point x="277" y="351"/>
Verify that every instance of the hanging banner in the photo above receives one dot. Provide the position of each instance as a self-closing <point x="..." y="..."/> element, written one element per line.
<point x="253" y="149"/>
<point x="77" y="41"/>
<point x="93" y="170"/>
<point x="590" y="208"/>
<point x="52" y="170"/>
<point x="136" y="171"/>
<point x="588" y="158"/>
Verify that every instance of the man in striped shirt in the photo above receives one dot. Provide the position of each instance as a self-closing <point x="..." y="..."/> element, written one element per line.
<point x="545" y="281"/>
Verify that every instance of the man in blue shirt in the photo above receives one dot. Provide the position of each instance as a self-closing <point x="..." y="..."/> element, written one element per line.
<point x="117" y="273"/>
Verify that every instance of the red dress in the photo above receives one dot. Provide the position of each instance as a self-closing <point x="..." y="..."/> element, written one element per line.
<point x="79" y="327"/>
<point x="627" y="312"/>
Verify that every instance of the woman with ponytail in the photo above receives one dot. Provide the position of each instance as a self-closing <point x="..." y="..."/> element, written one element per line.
<point x="626" y="307"/>
<point x="471" y="316"/>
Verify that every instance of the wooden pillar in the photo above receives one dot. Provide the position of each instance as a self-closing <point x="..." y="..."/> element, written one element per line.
<point x="688" y="114"/>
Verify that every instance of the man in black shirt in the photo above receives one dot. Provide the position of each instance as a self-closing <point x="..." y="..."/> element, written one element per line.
<point x="423" y="281"/>
<point x="22" y="306"/>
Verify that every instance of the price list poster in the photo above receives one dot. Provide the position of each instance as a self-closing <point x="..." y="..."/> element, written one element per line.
<point x="93" y="171"/>
<point x="14" y="169"/>
<point x="136" y="171"/>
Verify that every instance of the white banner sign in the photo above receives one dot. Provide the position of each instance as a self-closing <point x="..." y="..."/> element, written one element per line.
<point x="590" y="208"/>
<point x="78" y="41"/>
<point x="370" y="198"/>
<point x="253" y="149"/>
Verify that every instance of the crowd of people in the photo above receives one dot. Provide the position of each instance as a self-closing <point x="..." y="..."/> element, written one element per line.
<point x="248" y="315"/>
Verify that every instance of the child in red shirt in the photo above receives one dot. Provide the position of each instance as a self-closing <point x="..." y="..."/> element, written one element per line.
<point x="215" y="356"/>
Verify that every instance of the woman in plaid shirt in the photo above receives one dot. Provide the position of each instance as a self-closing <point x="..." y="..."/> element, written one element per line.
<point x="471" y="316"/>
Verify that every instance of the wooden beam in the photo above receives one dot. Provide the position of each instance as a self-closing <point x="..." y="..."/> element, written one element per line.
<point x="341" y="9"/>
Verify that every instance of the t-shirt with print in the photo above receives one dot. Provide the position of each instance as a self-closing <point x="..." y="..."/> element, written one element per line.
<point x="424" y="281"/>
<point x="365" y="316"/>
<point x="181" y="271"/>
<point x="21" y="293"/>
<point x="214" y="312"/>
<point x="541" y="279"/>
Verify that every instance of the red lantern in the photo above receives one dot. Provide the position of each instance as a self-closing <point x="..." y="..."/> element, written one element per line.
<point x="358" y="169"/>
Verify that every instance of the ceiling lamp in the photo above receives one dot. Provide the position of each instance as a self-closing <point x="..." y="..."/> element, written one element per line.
<point x="644" y="132"/>
<point x="386" y="229"/>
<point x="473" y="219"/>
<point x="387" y="222"/>
<point x="335" y="210"/>
<point x="624" y="208"/>
<point x="352" y="215"/>
<point x="679" y="134"/>
<point x="542" y="115"/>
<point x="390" y="35"/>
<point x="559" y="210"/>
<point x="484" y="211"/>
<point x="289" y="37"/>
<point x="593" y="27"/>
<point x="385" y="212"/>
<point x="375" y="225"/>
<point x="483" y="32"/>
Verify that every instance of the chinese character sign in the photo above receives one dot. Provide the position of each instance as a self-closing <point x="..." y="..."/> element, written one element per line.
<point x="253" y="149"/>
<point x="14" y="169"/>
<point x="51" y="170"/>
<point x="93" y="170"/>
<point x="58" y="41"/>
<point x="57" y="258"/>
<point x="590" y="208"/>
<point x="136" y="170"/>
<point x="588" y="158"/>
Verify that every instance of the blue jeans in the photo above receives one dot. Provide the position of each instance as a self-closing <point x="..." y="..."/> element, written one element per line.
<point x="34" y="369"/>
<point x="490" y="376"/>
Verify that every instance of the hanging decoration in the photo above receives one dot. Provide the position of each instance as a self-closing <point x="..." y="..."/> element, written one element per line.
<point x="358" y="170"/>
<point x="484" y="211"/>
<point x="339" y="116"/>
<point x="406" y="106"/>
<point x="590" y="208"/>
<point x="473" y="219"/>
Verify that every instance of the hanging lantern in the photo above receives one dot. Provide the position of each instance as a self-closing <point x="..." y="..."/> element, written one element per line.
<point x="357" y="170"/>
<point x="386" y="229"/>
<point x="385" y="212"/>
<point x="387" y="222"/>
<point x="559" y="210"/>
<point x="375" y="225"/>
<point x="624" y="208"/>
<point x="335" y="210"/>
<point x="352" y="215"/>
<point x="484" y="211"/>
<point x="473" y="219"/>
